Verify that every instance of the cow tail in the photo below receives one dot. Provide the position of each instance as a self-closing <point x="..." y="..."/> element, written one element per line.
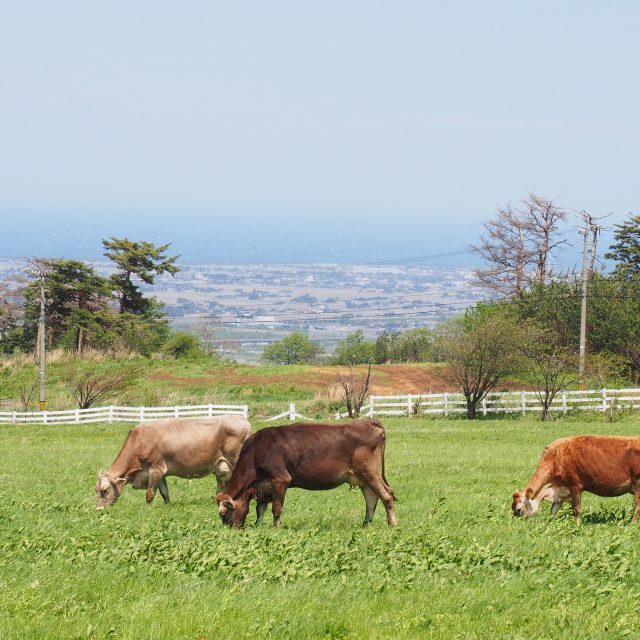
<point x="384" y="478"/>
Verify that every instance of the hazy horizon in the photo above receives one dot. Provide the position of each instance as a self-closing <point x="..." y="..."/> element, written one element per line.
<point x="357" y="132"/>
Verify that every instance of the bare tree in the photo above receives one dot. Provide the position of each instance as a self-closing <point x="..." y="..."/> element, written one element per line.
<point x="207" y="332"/>
<point x="517" y="246"/>
<point x="479" y="356"/>
<point x="10" y="309"/>
<point x="549" y="366"/>
<point x="543" y="217"/>
<point x="27" y="391"/>
<point x="87" y="384"/>
<point x="354" y="389"/>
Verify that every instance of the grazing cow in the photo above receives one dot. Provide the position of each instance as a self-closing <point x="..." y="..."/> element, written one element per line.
<point x="604" y="465"/>
<point x="183" y="447"/>
<point x="309" y="456"/>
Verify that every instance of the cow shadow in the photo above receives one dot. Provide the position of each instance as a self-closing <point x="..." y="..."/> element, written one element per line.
<point x="606" y="517"/>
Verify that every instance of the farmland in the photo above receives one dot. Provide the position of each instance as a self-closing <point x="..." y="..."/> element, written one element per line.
<point x="458" y="565"/>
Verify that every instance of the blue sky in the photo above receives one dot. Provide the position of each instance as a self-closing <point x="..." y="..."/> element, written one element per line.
<point x="271" y="130"/>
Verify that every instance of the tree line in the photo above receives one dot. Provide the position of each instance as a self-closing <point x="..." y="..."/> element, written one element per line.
<point x="85" y="310"/>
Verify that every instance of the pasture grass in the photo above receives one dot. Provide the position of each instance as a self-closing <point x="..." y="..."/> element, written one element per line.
<point x="457" y="566"/>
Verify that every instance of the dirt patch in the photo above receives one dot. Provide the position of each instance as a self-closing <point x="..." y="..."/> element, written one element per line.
<point x="385" y="379"/>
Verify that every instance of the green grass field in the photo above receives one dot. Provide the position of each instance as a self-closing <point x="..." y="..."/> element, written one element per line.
<point x="457" y="566"/>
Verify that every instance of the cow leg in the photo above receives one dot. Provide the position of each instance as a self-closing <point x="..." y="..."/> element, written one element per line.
<point x="279" y="490"/>
<point x="164" y="490"/>
<point x="371" y="500"/>
<point x="155" y="478"/>
<point x="636" y="492"/>
<point x="576" y="495"/>
<point x="261" y="507"/>
<point x="555" y="507"/>
<point x="376" y="484"/>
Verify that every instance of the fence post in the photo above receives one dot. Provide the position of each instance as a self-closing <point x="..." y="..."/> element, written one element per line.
<point x="409" y="406"/>
<point x="564" y="403"/>
<point x="484" y="406"/>
<point x="523" y="403"/>
<point x="292" y="411"/>
<point x="110" y="414"/>
<point x="245" y="411"/>
<point x="445" y="403"/>
<point x="77" y="415"/>
<point x="44" y="417"/>
<point x="371" y="406"/>
<point x="604" y="400"/>
<point x="210" y="410"/>
<point x="141" y="414"/>
<point x="14" y="417"/>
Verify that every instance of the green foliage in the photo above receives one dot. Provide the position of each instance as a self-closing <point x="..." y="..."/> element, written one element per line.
<point x="183" y="345"/>
<point x="613" y="314"/>
<point x="296" y="348"/>
<point x="458" y="566"/>
<point x="354" y="349"/>
<point x="626" y="249"/>
<point x="413" y="345"/>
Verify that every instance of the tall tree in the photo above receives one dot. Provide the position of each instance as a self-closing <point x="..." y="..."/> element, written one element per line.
<point x="137" y="260"/>
<point x="517" y="246"/>
<point x="626" y="249"/>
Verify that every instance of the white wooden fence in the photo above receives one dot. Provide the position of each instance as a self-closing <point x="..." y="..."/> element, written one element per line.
<point x="507" y="402"/>
<point x="120" y="414"/>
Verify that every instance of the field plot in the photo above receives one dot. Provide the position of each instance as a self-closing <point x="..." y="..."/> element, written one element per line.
<point x="457" y="566"/>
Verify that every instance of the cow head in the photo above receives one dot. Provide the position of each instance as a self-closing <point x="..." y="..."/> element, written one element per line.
<point x="523" y="503"/>
<point x="233" y="513"/>
<point x="108" y="489"/>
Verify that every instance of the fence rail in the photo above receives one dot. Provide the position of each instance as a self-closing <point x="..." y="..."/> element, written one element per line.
<point x="505" y="402"/>
<point x="120" y="414"/>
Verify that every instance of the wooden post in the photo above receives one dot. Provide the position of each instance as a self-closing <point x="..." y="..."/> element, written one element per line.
<point x="604" y="400"/>
<point x="77" y="415"/>
<point x="484" y="406"/>
<point x="245" y="411"/>
<point x="371" y="406"/>
<point x="564" y="403"/>
<point x="523" y="403"/>
<point x="141" y="414"/>
<point x="409" y="406"/>
<point x="446" y="404"/>
<point x="292" y="412"/>
<point x="110" y="414"/>
<point x="210" y="410"/>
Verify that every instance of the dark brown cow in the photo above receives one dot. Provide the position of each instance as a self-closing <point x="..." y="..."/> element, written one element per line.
<point x="184" y="447"/>
<point x="309" y="456"/>
<point x="604" y="465"/>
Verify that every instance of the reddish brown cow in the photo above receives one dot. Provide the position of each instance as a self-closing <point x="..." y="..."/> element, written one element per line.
<point x="184" y="447"/>
<point x="604" y="465"/>
<point x="309" y="456"/>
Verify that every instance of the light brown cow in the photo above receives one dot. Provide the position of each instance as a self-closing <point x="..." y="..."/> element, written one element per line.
<point x="604" y="465"/>
<point x="183" y="447"/>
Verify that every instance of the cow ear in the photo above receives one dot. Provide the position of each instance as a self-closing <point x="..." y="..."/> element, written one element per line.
<point x="119" y="483"/>
<point x="516" y="495"/>
<point x="529" y="493"/>
<point x="229" y="504"/>
<point x="103" y="481"/>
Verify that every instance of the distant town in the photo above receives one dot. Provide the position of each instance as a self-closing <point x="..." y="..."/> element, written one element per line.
<point x="241" y="308"/>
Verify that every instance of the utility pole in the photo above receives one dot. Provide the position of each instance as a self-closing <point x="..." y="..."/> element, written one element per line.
<point x="590" y="226"/>
<point x="583" y="307"/>
<point x="42" y="345"/>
